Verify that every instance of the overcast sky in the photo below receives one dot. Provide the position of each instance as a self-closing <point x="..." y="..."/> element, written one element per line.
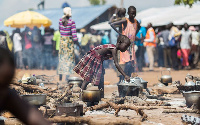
<point x="10" y="7"/>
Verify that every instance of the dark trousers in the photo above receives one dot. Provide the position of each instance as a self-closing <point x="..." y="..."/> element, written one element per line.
<point x="167" y="57"/>
<point x="174" y="57"/>
<point x="47" y="56"/>
<point x="19" y="60"/>
<point x="28" y="54"/>
<point x="160" y="55"/>
<point x="140" y="57"/>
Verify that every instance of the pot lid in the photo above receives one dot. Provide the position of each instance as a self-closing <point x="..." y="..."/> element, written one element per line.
<point x="75" y="78"/>
<point x="190" y="83"/>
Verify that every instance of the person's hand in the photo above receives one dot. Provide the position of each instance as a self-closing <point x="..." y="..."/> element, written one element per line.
<point x="127" y="78"/>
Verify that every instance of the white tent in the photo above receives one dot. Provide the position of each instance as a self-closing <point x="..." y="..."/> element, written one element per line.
<point x="162" y="16"/>
<point x="176" y="14"/>
<point x="101" y="26"/>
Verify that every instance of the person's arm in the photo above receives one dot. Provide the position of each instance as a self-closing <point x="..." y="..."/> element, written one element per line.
<point x="114" y="54"/>
<point x="151" y="39"/>
<point x="120" y="22"/>
<point x="113" y="16"/>
<point x="24" y="111"/>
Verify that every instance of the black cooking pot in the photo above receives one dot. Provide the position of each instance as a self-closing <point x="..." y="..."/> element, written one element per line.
<point x="128" y="90"/>
<point x="91" y="95"/>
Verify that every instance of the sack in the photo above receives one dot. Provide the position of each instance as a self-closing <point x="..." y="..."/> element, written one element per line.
<point x="172" y="42"/>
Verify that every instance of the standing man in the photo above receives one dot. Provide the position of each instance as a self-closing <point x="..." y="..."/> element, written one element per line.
<point x="150" y="43"/>
<point x="166" y="50"/>
<point x="139" y="42"/>
<point x="56" y="45"/>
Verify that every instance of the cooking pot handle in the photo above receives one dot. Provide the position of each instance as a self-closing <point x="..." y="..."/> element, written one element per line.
<point x="166" y="70"/>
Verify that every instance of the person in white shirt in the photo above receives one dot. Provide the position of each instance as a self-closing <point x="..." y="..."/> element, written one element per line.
<point x="18" y="48"/>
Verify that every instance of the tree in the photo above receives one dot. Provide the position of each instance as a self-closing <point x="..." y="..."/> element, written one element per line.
<point x="185" y="2"/>
<point x="97" y="2"/>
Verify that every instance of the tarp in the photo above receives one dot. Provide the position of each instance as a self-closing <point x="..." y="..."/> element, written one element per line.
<point x="81" y="15"/>
<point x="176" y="14"/>
<point x="101" y="26"/>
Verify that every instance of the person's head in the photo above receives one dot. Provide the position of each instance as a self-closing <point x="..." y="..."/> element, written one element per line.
<point x="179" y="27"/>
<point x="149" y="25"/>
<point x="47" y="30"/>
<point x="121" y="12"/>
<point x="123" y="42"/>
<point x="185" y="26"/>
<point x="170" y="25"/>
<point x="67" y="12"/>
<point x="197" y="28"/>
<point x="17" y="30"/>
<point x="83" y="31"/>
<point x="132" y="12"/>
<point x="7" y="67"/>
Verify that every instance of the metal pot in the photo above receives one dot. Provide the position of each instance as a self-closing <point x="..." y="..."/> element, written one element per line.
<point x="136" y="81"/>
<point x="144" y="83"/>
<point x="75" y="83"/>
<point x="165" y="79"/>
<point x="128" y="90"/>
<point x="74" y="79"/>
<point x="91" y="95"/>
<point x="69" y="109"/>
<point x="192" y="97"/>
<point x="35" y="99"/>
<point x="190" y="83"/>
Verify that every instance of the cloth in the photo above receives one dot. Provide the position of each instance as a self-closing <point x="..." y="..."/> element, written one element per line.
<point x="56" y="37"/>
<point x="105" y="40"/>
<point x="196" y="55"/>
<point x="48" y="37"/>
<point x="69" y="30"/>
<point x="141" y="33"/>
<point x="67" y="12"/>
<point x="195" y="38"/>
<point x="18" y="59"/>
<point x="9" y="41"/>
<point x="185" y="55"/>
<point x="28" y="43"/>
<point x="150" y="39"/>
<point x="90" y="67"/>
<point x="66" y="56"/>
<point x="3" y="43"/>
<point x="150" y="52"/>
<point x="174" y="57"/>
<point x="17" y="42"/>
<point x="174" y="32"/>
<point x="85" y="39"/>
<point x="185" y="39"/>
<point x="130" y="32"/>
<point x="167" y="57"/>
<point x="165" y="35"/>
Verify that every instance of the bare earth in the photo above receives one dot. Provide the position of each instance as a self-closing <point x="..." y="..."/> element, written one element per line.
<point x="155" y="116"/>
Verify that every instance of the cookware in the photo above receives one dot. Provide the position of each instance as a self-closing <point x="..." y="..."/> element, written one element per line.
<point x="69" y="109"/>
<point x="75" y="79"/>
<point x="35" y="99"/>
<point x="190" y="83"/>
<point x="125" y="89"/>
<point x="91" y="95"/>
<point x="75" y="83"/>
<point x="192" y="97"/>
<point x="144" y="83"/>
<point x="165" y="79"/>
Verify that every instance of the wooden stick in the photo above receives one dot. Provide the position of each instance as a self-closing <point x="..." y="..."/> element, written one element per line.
<point x="181" y="111"/>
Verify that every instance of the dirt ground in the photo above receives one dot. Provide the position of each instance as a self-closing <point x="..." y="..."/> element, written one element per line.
<point x="155" y="116"/>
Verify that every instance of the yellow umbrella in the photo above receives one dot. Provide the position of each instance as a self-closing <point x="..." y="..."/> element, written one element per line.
<point x="29" y="19"/>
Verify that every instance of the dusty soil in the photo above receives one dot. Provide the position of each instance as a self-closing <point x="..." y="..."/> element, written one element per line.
<point x="155" y="116"/>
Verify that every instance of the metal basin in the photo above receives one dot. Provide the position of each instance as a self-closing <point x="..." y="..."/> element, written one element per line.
<point x="91" y="95"/>
<point x="35" y="99"/>
<point x="192" y="97"/>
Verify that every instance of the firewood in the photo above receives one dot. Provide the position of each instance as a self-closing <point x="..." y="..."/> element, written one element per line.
<point x="66" y="93"/>
<point x="181" y="111"/>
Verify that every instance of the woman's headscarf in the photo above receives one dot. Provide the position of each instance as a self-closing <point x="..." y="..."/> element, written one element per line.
<point x="67" y="12"/>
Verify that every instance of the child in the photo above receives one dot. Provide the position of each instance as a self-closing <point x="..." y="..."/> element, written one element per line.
<point x="118" y="16"/>
<point x="9" y="100"/>
<point x="90" y="67"/>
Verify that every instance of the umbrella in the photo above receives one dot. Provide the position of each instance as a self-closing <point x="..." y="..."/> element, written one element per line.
<point x="27" y="18"/>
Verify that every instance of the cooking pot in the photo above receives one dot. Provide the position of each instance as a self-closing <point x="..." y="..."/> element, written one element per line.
<point x="75" y="83"/>
<point x="74" y="79"/>
<point x="192" y="97"/>
<point x="35" y="99"/>
<point x="190" y="83"/>
<point x="144" y="83"/>
<point x="165" y="79"/>
<point x="69" y="109"/>
<point x="126" y="89"/>
<point x="91" y="95"/>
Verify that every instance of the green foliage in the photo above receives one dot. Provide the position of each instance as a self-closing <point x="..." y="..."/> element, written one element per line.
<point x="97" y="2"/>
<point x="185" y="2"/>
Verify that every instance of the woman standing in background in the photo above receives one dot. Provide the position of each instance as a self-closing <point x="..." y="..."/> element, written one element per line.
<point x="67" y="28"/>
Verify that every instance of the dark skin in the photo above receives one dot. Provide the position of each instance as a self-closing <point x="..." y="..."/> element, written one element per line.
<point x="9" y="100"/>
<point x="122" y="46"/>
<point x="132" y="14"/>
